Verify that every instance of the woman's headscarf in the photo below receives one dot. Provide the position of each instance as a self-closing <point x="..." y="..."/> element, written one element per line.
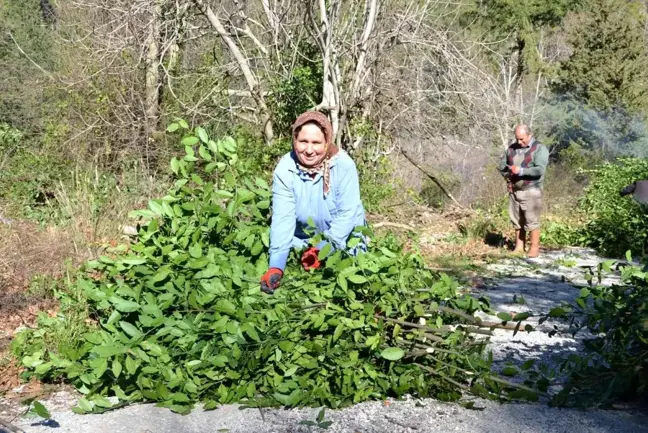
<point x="331" y="150"/>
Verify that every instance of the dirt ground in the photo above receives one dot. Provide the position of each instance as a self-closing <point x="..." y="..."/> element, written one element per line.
<point x="28" y="251"/>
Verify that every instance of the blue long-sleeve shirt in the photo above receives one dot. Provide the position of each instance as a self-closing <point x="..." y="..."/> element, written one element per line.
<point x="296" y="197"/>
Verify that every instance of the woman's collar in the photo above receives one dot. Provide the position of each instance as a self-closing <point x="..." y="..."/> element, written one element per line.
<point x="294" y="167"/>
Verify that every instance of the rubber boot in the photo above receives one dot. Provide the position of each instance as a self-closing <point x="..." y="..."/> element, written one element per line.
<point x="534" y="249"/>
<point x="520" y="239"/>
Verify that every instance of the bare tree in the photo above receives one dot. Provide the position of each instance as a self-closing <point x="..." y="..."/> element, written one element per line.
<point x="243" y="62"/>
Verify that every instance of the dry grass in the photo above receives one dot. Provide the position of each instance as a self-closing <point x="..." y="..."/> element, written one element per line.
<point x="442" y="239"/>
<point x="28" y="251"/>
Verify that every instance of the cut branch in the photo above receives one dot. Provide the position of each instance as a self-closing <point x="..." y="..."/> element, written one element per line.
<point x="432" y="178"/>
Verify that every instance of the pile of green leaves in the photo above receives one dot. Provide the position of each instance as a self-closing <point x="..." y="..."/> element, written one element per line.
<point x="180" y="318"/>
<point x="615" y="363"/>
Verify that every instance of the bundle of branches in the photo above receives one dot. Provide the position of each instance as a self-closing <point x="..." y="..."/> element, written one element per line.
<point x="180" y="317"/>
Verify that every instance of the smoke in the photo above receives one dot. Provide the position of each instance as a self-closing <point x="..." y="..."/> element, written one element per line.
<point x="611" y="132"/>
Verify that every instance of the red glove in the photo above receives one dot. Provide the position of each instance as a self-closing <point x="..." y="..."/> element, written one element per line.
<point x="310" y="260"/>
<point x="270" y="280"/>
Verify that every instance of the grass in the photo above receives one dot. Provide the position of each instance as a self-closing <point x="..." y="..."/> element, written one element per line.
<point x="70" y="322"/>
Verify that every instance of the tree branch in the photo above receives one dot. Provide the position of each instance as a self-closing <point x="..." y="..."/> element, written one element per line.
<point x="432" y="178"/>
<point x="243" y="65"/>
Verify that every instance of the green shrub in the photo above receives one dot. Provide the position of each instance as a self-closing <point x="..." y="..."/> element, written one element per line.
<point x="562" y="234"/>
<point x="615" y="224"/>
<point x="28" y="183"/>
<point x="480" y="226"/>
<point x="614" y="366"/>
<point x="377" y="186"/>
<point x="180" y="317"/>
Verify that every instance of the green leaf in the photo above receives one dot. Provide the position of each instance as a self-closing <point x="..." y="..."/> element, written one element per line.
<point x="210" y="405"/>
<point x="191" y="387"/>
<point x="204" y="153"/>
<point x="392" y="353"/>
<point x="210" y="167"/>
<point x="43" y="368"/>
<point x="101" y="401"/>
<point x="556" y="312"/>
<point x="509" y="371"/>
<point x="108" y="350"/>
<point x="85" y="405"/>
<point x="41" y="410"/>
<point x="251" y="331"/>
<point x="521" y="316"/>
<point x="505" y="317"/>
<point x="183" y="123"/>
<point x="190" y="141"/>
<point x="223" y="194"/>
<point x="175" y="165"/>
<point x="307" y="422"/>
<point x="262" y="183"/>
<point x="134" y="261"/>
<point x="357" y="279"/>
<point x="126" y="306"/>
<point x="173" y="127"/>
<point x="131" y="365"/>
<point x="202" y="134"/>
<point x="130" y="329"/>
<point x="160" y="275"/>
<point x="338" y="332"/>
<point x="116" y="367"/>
<point x="324" y="252"/>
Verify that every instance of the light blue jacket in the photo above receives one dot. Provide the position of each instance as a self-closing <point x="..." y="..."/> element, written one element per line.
<point x="296" y="197"/>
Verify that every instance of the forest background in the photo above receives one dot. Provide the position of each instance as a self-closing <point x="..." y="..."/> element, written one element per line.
<point x="90" y="87"/>
<point x="98" y="96"/>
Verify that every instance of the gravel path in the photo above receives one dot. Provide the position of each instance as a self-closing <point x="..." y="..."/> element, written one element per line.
<point x="543" y="283"/>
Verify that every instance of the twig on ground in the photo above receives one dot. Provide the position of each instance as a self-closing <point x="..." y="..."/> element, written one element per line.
<point x="390" y="224"/>
<point x="11" y="427"/>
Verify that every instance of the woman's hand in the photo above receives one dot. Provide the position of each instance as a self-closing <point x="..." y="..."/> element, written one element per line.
<point x="270" y="280"/>
<point x="310" y="260"/>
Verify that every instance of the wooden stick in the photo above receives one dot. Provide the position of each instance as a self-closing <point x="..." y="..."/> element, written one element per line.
<point x="390" y="224"/>
<point x="11" y="427"/>
<point x="442" y="330"/>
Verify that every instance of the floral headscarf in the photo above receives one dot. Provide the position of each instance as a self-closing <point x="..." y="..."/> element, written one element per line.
<point x="323" y="165"/>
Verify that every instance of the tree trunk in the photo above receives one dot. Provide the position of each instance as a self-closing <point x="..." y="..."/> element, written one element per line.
<point x="244" y="65"/>
<point x="153" y="84"/>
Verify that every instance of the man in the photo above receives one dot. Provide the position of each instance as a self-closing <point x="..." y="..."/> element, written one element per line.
<point x="523" y="166"/>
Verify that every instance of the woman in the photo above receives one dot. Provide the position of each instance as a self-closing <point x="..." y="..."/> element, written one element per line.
<point x="314" y="181"/>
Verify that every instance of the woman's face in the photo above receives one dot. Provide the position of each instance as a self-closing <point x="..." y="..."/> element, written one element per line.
<point x="310" y="144"/>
